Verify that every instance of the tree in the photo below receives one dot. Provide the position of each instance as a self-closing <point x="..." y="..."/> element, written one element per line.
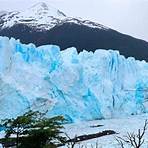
<point x="134" y="140"/>
<point x="33" y="130"/>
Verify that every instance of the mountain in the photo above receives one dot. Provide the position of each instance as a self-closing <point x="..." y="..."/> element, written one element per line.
<point x="84" y="86"/>
<point x="42" y="24"/>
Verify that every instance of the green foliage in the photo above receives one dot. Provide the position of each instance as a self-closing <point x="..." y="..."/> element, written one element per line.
<point x="34" y="130"/>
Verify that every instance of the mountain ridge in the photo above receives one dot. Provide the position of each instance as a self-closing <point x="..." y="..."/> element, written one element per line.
<point x="42" y="24"/>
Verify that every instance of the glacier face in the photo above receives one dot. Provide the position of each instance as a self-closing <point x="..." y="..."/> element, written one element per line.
<point x="82" y="86"/>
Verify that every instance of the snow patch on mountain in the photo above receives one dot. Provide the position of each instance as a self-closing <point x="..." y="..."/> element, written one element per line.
<point x="42" y="17"/>
<point x="2" y="13"/>
<point x="39" y="14"/>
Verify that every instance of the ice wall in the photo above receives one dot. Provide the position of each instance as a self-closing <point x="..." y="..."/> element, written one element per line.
<point x="82" y="86"/>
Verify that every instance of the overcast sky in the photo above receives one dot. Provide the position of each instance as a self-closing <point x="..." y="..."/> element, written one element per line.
<point x="126" y="16"/>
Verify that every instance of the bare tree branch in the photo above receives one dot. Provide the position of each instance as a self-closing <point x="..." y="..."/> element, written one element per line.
<point x="135" y="140"/>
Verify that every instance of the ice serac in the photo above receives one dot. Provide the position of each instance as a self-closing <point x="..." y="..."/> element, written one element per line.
<point x="83" y="86"/>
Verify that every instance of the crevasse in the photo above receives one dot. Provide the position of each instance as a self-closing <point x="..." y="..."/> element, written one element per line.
<point x="83" y="86"/>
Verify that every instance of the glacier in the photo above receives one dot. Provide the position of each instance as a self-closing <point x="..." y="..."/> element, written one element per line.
<point x="79" y="86"/>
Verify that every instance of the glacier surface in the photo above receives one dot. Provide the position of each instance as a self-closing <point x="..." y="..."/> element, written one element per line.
<point x="83" y="86"/>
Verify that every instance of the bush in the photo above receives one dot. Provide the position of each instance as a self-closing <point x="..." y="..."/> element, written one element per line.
<point x="33" y="130"/>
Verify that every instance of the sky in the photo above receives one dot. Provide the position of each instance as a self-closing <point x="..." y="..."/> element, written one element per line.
<point x="127" y="16"/>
